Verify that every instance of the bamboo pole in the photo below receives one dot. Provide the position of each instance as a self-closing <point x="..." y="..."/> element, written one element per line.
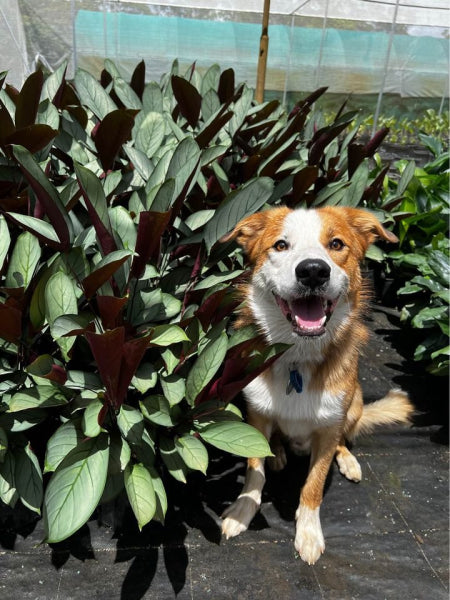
<point x="263" y="50"/>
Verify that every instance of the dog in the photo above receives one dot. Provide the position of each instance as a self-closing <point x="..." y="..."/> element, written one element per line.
<point x="306" y="290"/>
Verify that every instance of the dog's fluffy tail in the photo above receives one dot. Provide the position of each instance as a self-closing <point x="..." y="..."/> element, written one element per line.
<point x="395" y="407"/>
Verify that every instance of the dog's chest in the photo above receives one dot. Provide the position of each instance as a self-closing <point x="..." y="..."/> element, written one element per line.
<point x="273" y="395"/>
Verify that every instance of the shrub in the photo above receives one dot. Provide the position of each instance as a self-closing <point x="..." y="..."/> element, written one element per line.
<point x="417" y="203"/>
<point x="117" y="359"/>
<point x="409" y="131"/>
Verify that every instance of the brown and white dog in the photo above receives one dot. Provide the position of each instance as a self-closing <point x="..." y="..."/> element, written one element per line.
<point x="306" y="290"/>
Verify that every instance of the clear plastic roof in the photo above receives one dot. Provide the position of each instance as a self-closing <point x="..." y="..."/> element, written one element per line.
<point x="434" y="13"/>
<point x="354" y="46"/>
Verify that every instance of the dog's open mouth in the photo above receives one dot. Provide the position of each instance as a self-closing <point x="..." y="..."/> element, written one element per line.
<point x="308" y="315"/>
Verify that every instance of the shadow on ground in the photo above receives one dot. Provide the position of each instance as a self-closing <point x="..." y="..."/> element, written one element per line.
<point x="430" y="395"/>
<point x="386" y="537"/>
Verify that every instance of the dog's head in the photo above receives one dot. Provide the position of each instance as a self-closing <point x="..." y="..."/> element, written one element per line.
<point x="306" y="262"/>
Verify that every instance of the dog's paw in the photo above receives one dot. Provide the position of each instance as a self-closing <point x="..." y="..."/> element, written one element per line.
<point x="310" y="546"/>
<point x="237" y="517"/>
<point x="309" y="541"/>
<point x="349" y="467"/>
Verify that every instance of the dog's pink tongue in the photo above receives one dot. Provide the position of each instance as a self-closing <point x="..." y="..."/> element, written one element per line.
<point x="308" y="312"/>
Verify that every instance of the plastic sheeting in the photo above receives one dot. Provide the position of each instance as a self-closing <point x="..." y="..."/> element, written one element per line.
<point x="358" y="46"/>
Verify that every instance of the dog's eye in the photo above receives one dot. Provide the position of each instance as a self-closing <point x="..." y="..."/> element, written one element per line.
<point x="281" y="245"/>
<point x="336" y="244"/>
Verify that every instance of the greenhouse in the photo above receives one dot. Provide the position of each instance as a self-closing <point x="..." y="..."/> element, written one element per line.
<point x="361" y="47"/>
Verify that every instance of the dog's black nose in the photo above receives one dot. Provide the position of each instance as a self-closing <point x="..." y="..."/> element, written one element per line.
<point x="312" y="272"/>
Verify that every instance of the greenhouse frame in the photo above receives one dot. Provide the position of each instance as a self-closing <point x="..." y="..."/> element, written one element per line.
<point x="366" y="48"/>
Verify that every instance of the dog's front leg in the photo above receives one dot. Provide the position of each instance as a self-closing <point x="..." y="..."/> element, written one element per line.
<point x="237" y="517"/>
<point x="309" y="541"/>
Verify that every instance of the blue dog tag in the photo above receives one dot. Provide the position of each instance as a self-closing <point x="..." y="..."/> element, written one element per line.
<point x="295" y="382"/>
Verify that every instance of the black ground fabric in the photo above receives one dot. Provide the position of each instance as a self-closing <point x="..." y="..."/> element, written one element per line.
<point x="386" y="537"/>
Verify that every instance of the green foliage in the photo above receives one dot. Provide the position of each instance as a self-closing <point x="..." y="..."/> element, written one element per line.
<point x="116" y="349"/>
<point x="409" y="131"/>
<point x="417" y="202"/>
<point x="425" y="299"/>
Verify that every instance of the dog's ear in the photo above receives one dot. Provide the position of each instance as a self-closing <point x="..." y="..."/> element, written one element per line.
<point x="247" y="232"/>
<point x="368" y="227"/>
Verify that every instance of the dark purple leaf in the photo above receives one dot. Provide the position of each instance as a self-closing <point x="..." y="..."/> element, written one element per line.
<point x="251" y="166"/>
<point x="10" y="322"/>
<point x="133" y="351"/>
<point x="6" y="123"/>
<point x="257" y="129"/>
<point x="295" y="125"/>
<point x="13" y="93"/>
<point x="303" y="180"/>
<point x="392" y="204"/>
<point x="70" y="101"/>
<point x="105" y="78"/>
<point x="341" y="110"/>
<point x="150" y="229"/>
<point x="137" y="82"/>
<point x="34" y="137"/>
<point x="192" y="70"/>
<point x="78" y="113"/>
<point x="264" y="112"/>
<point x="117" y="361"/>
<point x="372" y="193"/>
<point x="110" y="309"/>
<point x="188" y="98"/>
<point x="226" y="86"/>
<point x="101" y="275"/>
<point x="207" y="134"/>
<point x="113" y="131"/>
<point x="372" y="144"/>
<point x="274" y="164"/>
<point x="356" y="154"/>
<point x="326" y="136"/>
<point x="27" y="103"/>
<point x="314" y="95"/>
<point x="107" y="349"/>
<point x="44" y="366"/>
<point x="195" y="274"/>
<point x="306" y="102"/>
<point x="58" y="97"/>
<point x="237" y="373"/>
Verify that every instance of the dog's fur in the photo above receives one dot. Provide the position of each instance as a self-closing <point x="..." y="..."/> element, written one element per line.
<point x="306" y="290"/>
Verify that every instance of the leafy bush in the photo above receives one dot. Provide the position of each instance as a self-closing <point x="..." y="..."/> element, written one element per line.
<point x="117" y="359"/>
<point x="426" y="299"/>
<point x="409" y="131"/>
<point x="417" y="203"/>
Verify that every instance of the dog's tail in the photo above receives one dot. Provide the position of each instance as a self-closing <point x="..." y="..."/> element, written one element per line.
<point x="395" y="407"/>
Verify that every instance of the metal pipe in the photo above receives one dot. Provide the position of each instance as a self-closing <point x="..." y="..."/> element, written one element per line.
<point x="386" y="64"/>
<point x="322" y="42"/>
<point x="289" y="63"/>
<point x="74" y="37"/>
